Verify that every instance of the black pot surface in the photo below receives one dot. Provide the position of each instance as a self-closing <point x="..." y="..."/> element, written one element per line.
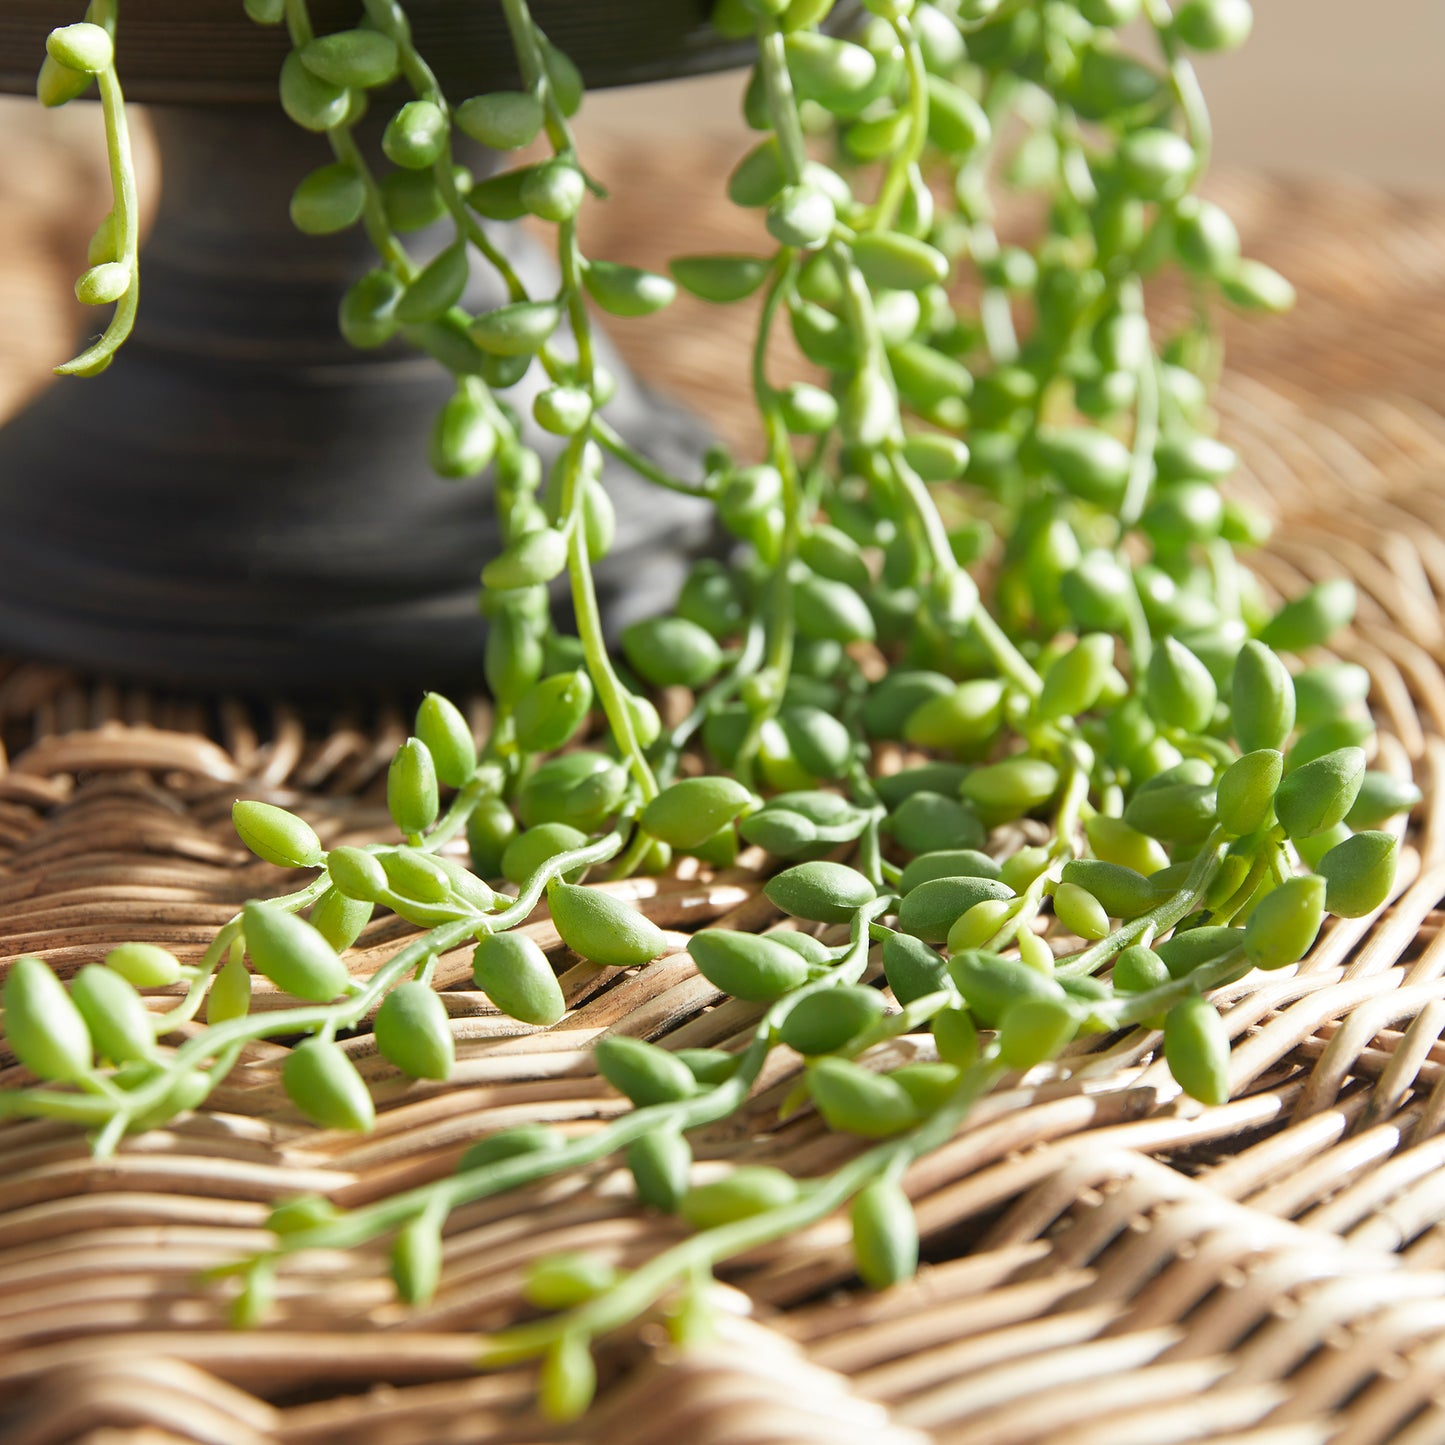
<point x="242" y="500"/>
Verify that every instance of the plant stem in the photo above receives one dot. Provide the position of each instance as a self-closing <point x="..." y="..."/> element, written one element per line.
<point x="1156" y="920"/>
<point x="96" y="357"/>
<point x="895" y="179"/>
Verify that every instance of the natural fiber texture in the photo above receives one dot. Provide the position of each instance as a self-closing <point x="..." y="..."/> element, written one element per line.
<point x="1113" y="1263"/>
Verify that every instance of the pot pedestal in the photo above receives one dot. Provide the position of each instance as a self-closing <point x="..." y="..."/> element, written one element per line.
<point x="242" y="500"/>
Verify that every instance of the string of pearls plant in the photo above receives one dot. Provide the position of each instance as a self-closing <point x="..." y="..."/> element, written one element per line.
<point x="979" y="412"/>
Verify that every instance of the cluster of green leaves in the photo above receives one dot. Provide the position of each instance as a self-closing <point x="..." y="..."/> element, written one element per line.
<point x="1118" y="692"/>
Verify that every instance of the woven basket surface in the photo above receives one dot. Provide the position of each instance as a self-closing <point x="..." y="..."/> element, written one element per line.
<point x="1111" y="1263"/>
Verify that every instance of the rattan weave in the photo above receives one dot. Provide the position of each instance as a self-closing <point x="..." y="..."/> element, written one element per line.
<point x="1113" y="1265"/>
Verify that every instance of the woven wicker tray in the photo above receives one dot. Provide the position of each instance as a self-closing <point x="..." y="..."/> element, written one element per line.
<point x="1113" y="1265"/>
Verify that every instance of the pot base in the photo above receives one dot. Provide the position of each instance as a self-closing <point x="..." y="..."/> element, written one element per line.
<point x="242" y="501"/>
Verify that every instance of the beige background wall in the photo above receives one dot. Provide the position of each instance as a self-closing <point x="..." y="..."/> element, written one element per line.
<point x="1323" y="87"/>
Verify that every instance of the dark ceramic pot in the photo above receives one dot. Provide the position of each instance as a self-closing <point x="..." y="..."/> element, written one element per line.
<point x="241" y="500"/>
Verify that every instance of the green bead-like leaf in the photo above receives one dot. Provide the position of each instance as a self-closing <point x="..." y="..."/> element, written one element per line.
<point x="1381" y="796"/>
<point x="1177" y="813"/>
<point x="145" y="965"/>
<point x="991" y="984"/>
<point x="1343" y="732"/>
<point x="411" y="788"/>
<point x="578" y="788"/>
<point x="323" y="1083"/>
<point x="671" y="652"/>
<point x="820" y="891"/>
<point x="897" y="262"/>
<point x="278" y="836"/>
<point x="957" y="123"/>
<point x="1187" y="951"/>
<point x="602" y="929"/>
<point x="1246" y="791"/>
<point x="564" y="1281"/>
<point x="504" y="121"/>
<point x="463" y="440"/>
<point x="1253" y="286"/>
<point x="448" y="738"/>
<point x="750" y="1189"/>
<point x="1312" y="618"/>
<point x="912" y="968"/>
<point x="510" y="1144"/>
<point x="517" y="329"/>
<point x="568" y="1380"/>
<point x="330" y="199"/>
<point x="885" y="1234"/>
<point x="292" y="954"/>
<point x="894" y="699"/>
<point x="855" y="1100"/>
<point x="719" y="279"/>
<point x="1212" y="25"/>
<point x="526" y="852"/>
<point x="339" y="919"/>
<point x="1359" y="873"/>
<point x="821" y="743"/>
<point x="119" y="1022"/>
<point x="1080" y="912"/>
<point x="1262" y="700"/>
<point x="645" y="1073"/>
<point x="829" y="611"/>
<point x="947" y="863"/>
<point x="416" y="135"/>
<point x="661" y="1163"/>
<point x="1085" y="461"/>
<point x="1138" y="969"/>
<point x="412" y="1032"/>
<point x="416" y="1261"/>
<point x="1285" y="922"/>
<point x="1114" y="841"/>
<point x="358" y="874"/>
<point x="1074" y="681"/>
<point x="931" y="909"/>
<point x="823" y="1022"/>
<point x="229" y="996"/>
<point x="82" y="47"/>
<point x="367" y="316"/>
<point x="1120" y="891"/>
<point x="687" y="813"/>
<point x="1196" y="1046"/>
<point x="958" y="720"/>
<point x="550" y="712"/>
<point x="1012" y="788"/>
<point x="311" y="101"/>
<point x="514" y="973"/>
<point x="1180" y="691"/>
<point x="834" y="73"/>
<point x="300" y="1213"/>
<point x="627" y="290"/>
<point x="756" y="968"/>
<point x="1034" y="1030"/>
<point x="956" y="1036"/>
<point x="553" y="190"/>
<point x="1319" y="794"/>
<point x="534" y="559"/>
<point x="57" y="84"/>
<point x="436" y="289"/>
<point x="43" y="1027"/>
<point x="354" y="58"/>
